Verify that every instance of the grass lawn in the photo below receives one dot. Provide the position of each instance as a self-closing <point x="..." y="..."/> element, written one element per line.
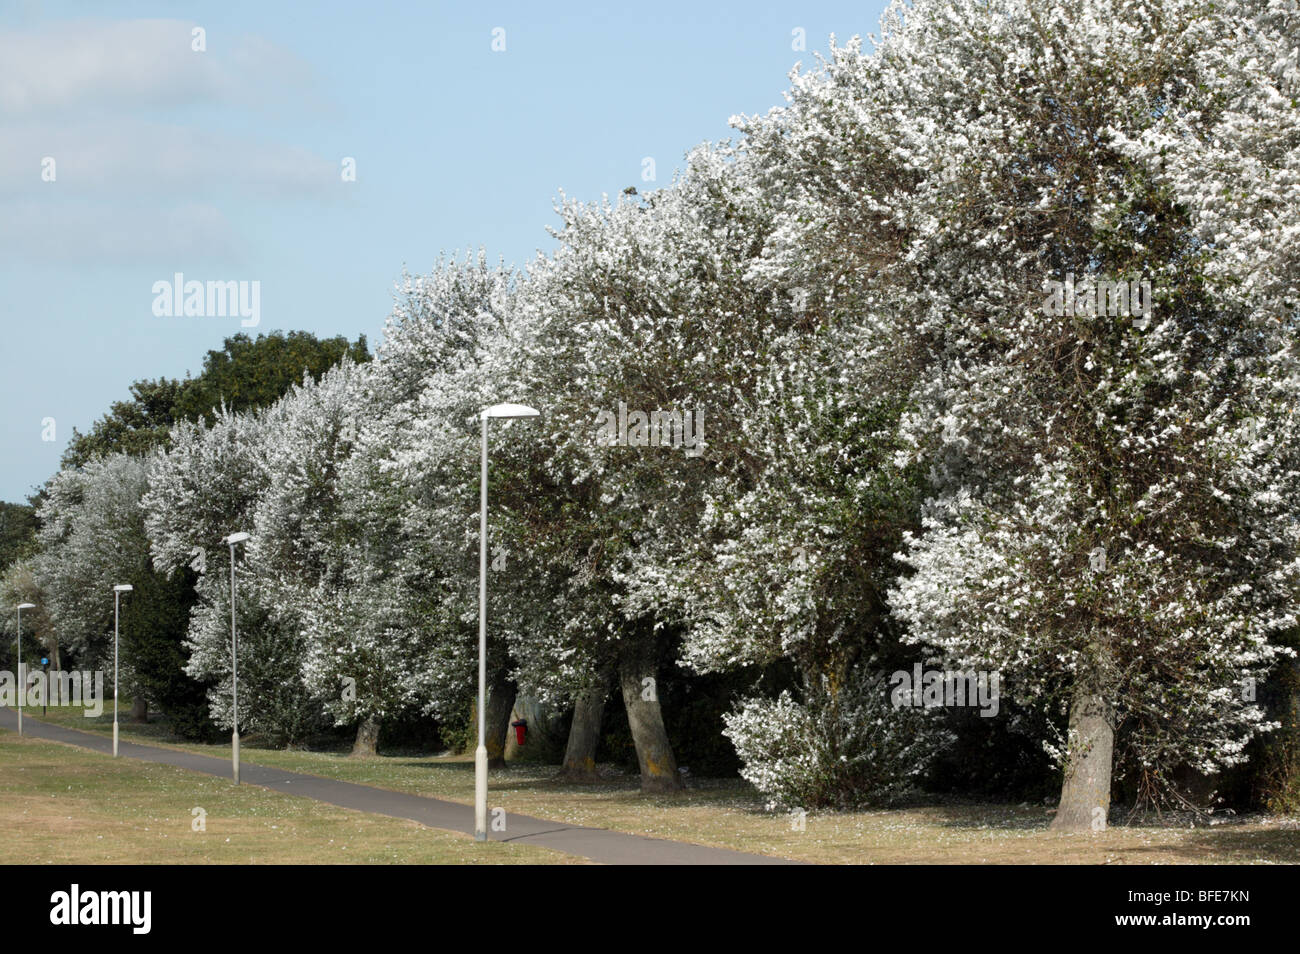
<point x="63" y="805"/>
<point x="728" y="814"/>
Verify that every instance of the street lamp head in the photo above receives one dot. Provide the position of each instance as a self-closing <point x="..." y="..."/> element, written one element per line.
<point x="123" y="588"/>
<point x="510" y="411"/>
<point x="23" y="606"/>
<point x="237" y="538"/>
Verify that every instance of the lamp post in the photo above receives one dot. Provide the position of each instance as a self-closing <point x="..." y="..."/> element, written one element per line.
<point x="504" y="412"/>
<point x="22" y="683"/>
<point x="234" y="540"/>
<point x="117" y="601"/>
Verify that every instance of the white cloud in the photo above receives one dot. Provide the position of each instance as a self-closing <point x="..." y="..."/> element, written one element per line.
<point x="131" y="156"/>
<point x="135" y="64"/>
<point x="128" y="186"/>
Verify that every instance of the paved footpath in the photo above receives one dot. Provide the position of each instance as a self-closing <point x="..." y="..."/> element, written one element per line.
<point x="597" y="844"/>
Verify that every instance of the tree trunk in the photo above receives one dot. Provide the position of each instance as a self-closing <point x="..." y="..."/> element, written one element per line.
<point x="584" y="736"/>
<point x="1085" y="793"/>
<point x="139" y="709"/>
<point x="501" y="699"/>
<point x="641" y="698"/>
<point x="367" y="741"/>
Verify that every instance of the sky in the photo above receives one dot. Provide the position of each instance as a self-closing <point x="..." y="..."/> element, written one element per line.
<point x="312" y="152"/>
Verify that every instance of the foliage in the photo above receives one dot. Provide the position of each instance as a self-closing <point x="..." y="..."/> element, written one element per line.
<point x="17" y="532"/>
<point x="251" y="373"/>
<point x="245" y="374"/>
<point x="839" y="748"/>
<point x="910" y="450"/>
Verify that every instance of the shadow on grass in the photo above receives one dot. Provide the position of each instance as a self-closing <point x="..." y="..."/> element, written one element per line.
<point x="1230" y="845"/>
<point x="1278" y="845"/>
<point x="540" y="778"/>
<point x="1236" y="843"/>
<point x="981" y="816"/>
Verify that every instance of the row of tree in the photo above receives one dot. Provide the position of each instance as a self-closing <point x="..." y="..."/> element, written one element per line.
<point x="907" y="452"/>
<point x="92" y="536"/>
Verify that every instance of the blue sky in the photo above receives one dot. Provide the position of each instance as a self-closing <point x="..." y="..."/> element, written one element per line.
<point x="225" y="164"/>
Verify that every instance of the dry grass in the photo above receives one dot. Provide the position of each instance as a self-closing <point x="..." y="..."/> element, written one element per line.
<point x="728" y="814"/>
<point x="63" y="805"/>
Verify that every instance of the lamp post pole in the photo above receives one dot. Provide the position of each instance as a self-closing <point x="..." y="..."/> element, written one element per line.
<point x="22" y="682"/>
<point x="117" y="598"/>
<point x="505" y="411"/>
<point x="234" y="540"/>
<point x="480" y="753"/>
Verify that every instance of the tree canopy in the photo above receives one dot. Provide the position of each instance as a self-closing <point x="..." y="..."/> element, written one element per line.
<point x="980" y="352"/>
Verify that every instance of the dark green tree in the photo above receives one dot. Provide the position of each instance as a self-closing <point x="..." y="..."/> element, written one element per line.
<point x="249" y="373"/>
<point x="134" y="426"/>
<point x="17" y="532"/>
<point x="244" y="374"/>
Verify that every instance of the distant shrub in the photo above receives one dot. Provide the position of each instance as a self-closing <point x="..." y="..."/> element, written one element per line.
<point x="845" y="749"/>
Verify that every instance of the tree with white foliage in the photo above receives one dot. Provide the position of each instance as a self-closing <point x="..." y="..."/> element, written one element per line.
<point x="629" y="324"/>
<point x="409" y="495"/>
<point x="306" y="550"/>
<point x="981" y="152"/>
<point x="20" y="584"/>
<point x="207" y="485"/>
<point x="783" y="550"/>
<point x="91" y="537"/>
